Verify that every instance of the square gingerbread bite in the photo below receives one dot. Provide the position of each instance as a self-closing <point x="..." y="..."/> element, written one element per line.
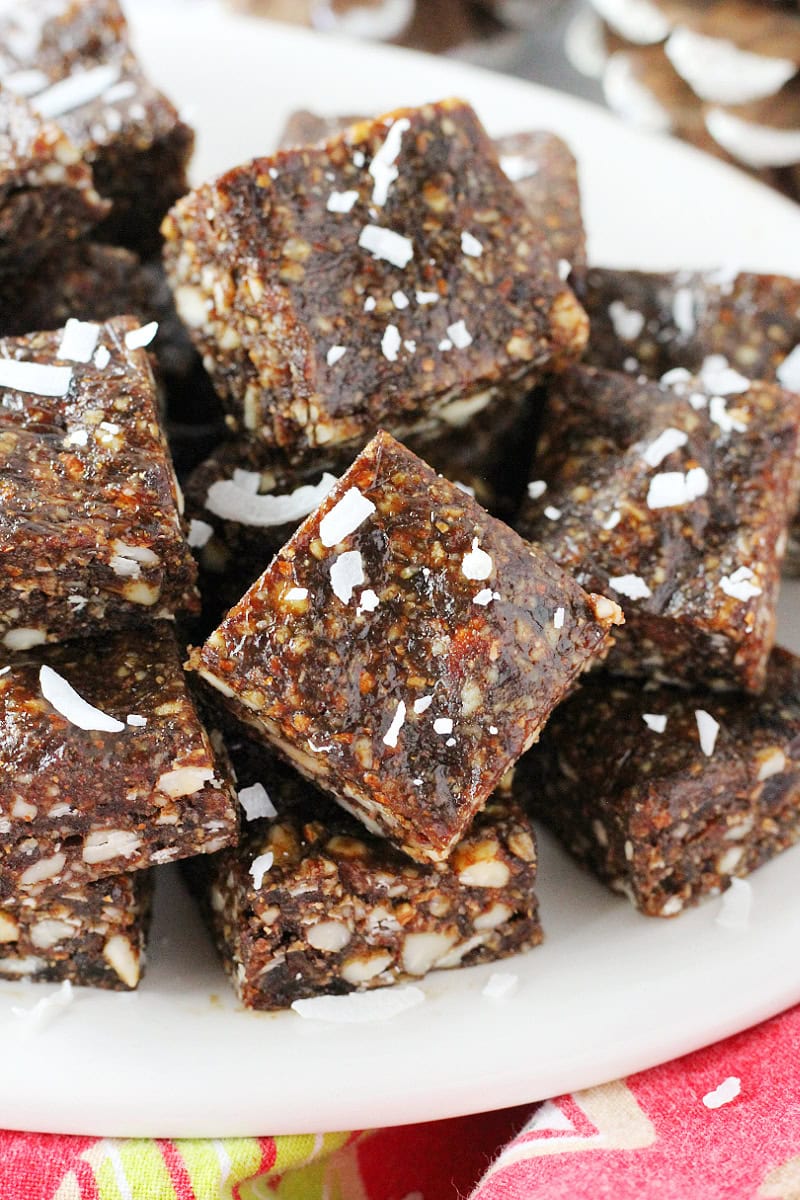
<point x="73" y="62"/>
<point x="90" y="532"/>
<point x="404" y="648"/>
<point x="47" y="194"/>
<point x="93" y="935"/>
<point x="668" y="794"/>
<point x="311" y="903"/>
<point x="373" y="280"/>
<point x="677" y="501"/>
<point x="104" y="763"/>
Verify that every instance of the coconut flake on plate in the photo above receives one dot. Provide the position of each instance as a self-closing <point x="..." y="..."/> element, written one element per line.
<point x="380" y="1004"/>
<point x="735" y="904"/>
<point x="499" y="985"/>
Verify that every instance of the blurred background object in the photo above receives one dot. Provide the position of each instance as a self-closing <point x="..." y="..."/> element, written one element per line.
<point x="721" y="74"/>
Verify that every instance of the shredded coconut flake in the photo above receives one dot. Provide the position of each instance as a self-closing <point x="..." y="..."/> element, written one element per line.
<point x="347" y="573"/>
<point x="476" y="563"/>
<point x="552" y="513"/>
<point x="237" y="500"/>
<point x="74" y="708"/>
<point x="788" y="373"/>
<point x="612" y="520"/>
<point x="368" y="601"/>
<point x="558" y="618"/>
<point x="683" y="311"/>
<point x="707" y="729"/>
<point x="200" y="532"/>
<point x="675" y="377"/>
<point x="78" y="341"/>
<point x="38" y="379"/>
<point x="728" y="1090"/>
<point x="345" y="517"/>
<point x="485" y="596"/>
<point x="445" y="344"/>
<point x="735" y="906"/>
<point x="102" y="358"/>
<point x="398" y="721"/>
<point x="470" y="245"/>
<point x="341" y="202"/>
<point x="719" y="378"/>
<point x="628" y="323"/>
<point x="420" y="706"/>
<point x="390" y="343"/>
<point x="400" y="299"/>
<point x="666" y="443"/>
<point x="382" y="168"/>
<point x="443" y="726"/>
<point x="672" y="489"/>
<point x="296" y="593"/>
<point x="718" y="412"/>
<point x="516" y="167"/>
<point x="256" y="802"/>
<point x="369" y="304"/>
<point x="385" y="244"/>
<point x="655" y="721"/>
<point x="536" y="488"/>
<point x="564" y="269"/>
<point x="632" y="586"/>
<point x="259" y="867"/>
<point x="378" y="1005"/>
<point x="76" y="90"/>
<point x="46" y="1009"/>
<point x="500" y="984"/>
<point x="334" y="354"/>
<point x="459" y="335"/>
<point x="137" y="339"/>
<point x="738" y="585"/>
<point x="427" y="297"/>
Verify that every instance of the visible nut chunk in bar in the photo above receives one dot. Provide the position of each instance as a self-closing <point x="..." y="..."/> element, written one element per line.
<point x="90" y="534"/>
<point x="677" y="501"/>
<point x="93" y="935"/>
<point x="339" y="910"/>
<point x="401" y="649"/>
<point x="286" y="271"/>
<point x="104" y="764"/>
<point x="668" y="794"/>
<point x="47" y="195"/>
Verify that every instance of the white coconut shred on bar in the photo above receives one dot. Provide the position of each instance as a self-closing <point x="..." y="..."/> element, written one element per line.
<point x="66" y="701"/>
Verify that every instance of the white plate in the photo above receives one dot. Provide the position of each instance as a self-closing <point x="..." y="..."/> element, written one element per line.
<point x="610" y="992"/>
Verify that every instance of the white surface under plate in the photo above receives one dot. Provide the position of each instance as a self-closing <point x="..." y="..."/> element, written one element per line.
<point x="610" y="992"/>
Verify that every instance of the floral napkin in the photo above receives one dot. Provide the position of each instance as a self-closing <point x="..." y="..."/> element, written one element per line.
<point x="722" y="1123"/>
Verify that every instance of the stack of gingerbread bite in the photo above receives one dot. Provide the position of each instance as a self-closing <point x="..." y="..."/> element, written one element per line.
<point x="105" y="767"/>
<point x="419" y="524"/>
